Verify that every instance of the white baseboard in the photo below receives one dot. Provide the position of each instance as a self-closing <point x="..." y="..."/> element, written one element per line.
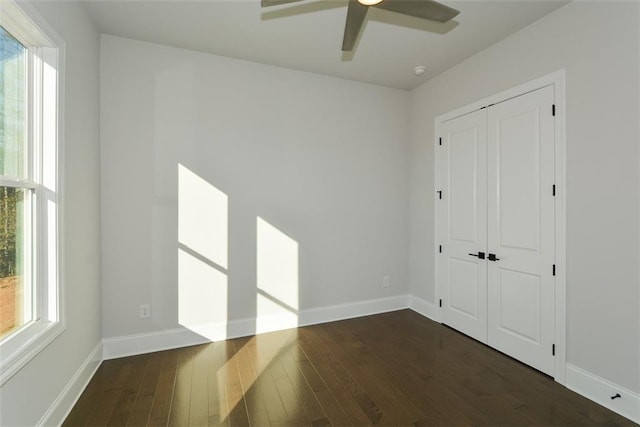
<point x="130" y="345"/>
<point x="348" y="311"/>
<point x="600" y="391"/>
<point x="70" y="394"/>
<point x="424" y="307"/>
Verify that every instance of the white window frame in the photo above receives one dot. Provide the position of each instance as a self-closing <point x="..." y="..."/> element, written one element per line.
<point x="45" y="52"/>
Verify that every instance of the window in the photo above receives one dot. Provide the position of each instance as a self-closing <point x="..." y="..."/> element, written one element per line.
<point x="15" y="194"/>
<point x="30" y="309"/>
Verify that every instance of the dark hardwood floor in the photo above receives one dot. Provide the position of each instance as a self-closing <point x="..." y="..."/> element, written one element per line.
<point x="390" y="369"/>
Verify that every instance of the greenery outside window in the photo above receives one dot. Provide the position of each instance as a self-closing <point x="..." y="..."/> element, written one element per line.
<point x="30" y="291"/>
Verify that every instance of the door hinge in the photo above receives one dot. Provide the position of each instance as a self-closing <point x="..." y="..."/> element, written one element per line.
<point x="554" y="269"/>
<point x="554" y="190"/>
<point x="553" y="349"/>
<point x="440" y="303"/>
<point x="553" y="110"/>
<point x="440" y="194"/>
<point x="440" y="141"/>
<point x="440" y="248"/>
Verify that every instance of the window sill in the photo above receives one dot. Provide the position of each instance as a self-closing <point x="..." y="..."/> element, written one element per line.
<point x="17" y="350"/>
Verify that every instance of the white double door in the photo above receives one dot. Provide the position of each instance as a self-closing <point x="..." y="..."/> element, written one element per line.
<point x="496" y="226"/>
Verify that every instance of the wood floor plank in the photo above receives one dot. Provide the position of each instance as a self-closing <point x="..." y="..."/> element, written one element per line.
<point x="105" y="407"/>
<point x="373" y="363"/>
<point x="322" y="364"/>
<point x="328" y="402"/>
<point x="181" y="400"/>
<point x="266" y="387"/>
<point x="162" y="395"/>
<point x="230" y="377"/>
<point x="256" y="407"/>
<point x="336" y="345"/>
<point x="216" y="391"/>
<point x="349" y="350"/>
<point x="124" y="405"/>
<point x="140" y="410"/>
<point x="396" y="368"/>
<point x="306" y="398"/>
<point x="199" y="403"/>
<point x="290" y="401"/>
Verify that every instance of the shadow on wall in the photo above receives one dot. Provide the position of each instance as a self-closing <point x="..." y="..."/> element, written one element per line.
<point x="203" y="264"/>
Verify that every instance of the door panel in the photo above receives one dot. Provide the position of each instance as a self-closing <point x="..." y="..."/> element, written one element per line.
<point x="521" y="318"/>
<point x="518" y="150"/>
<point x="464" y="214"/>
<point x="521" y="228"/>
<point x="463" y="184"/>
<point x="463" y="287"/>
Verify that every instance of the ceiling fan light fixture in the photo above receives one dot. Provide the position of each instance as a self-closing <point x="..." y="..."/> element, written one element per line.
<point x="357" y="11"/>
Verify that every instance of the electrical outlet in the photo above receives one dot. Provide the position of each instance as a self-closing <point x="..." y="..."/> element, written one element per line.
<point x="385" y="281"/>
<point x="145" y="311"/>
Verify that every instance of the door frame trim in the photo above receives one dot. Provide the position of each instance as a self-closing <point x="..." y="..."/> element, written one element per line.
<point x="558" y="81"/>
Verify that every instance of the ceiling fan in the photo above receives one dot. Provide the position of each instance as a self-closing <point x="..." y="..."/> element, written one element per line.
<point x="426" y="9"/>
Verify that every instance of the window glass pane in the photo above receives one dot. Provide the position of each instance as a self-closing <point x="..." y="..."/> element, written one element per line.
<point x="15" y="293"/>
<point x="12" y="106"/>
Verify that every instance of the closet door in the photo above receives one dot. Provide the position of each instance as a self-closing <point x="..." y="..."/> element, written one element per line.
<point x="463" y="225"/>
<point x="521" y="229"/>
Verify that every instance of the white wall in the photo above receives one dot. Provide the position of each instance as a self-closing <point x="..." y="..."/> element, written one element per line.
<point x="29" y="394"/>
<point x="321" y="159"/>
<point x="598" y="45"/>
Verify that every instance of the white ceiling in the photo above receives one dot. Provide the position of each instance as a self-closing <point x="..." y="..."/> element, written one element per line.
<point x="307" y="35"/>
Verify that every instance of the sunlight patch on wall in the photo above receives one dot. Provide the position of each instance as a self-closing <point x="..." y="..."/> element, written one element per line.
<point x="277" y="279"/>
<point x="202" y="301"/>
<point x="202" y="217"/>
<point x="202" y="256"/>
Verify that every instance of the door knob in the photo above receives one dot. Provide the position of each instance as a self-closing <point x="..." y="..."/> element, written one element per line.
<point x="479" y="255"/>
<point x="492" y="257"/>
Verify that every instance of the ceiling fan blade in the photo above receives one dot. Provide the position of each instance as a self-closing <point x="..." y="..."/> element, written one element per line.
<point x="267" y="3"/>
<point x="355" y="18"/>
<point x="427" y="9"/>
